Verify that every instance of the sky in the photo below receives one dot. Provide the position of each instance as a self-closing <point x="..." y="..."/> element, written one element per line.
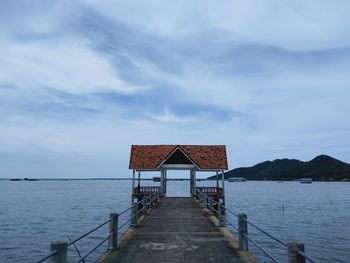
<point x="81" y="81"/>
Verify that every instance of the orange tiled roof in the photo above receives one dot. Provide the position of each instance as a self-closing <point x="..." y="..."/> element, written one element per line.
<point x="204" y="156"/>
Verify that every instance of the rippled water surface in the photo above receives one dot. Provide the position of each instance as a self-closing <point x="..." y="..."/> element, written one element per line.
<point x="33" y="214"/>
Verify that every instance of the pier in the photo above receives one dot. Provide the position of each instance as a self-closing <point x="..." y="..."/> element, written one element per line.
<point x="176" y="230"/>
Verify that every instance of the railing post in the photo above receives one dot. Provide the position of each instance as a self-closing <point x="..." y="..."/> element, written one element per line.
<point x="293" y="256"/>
<point x="113" y="229"/>
<point x="153" y="199"/>
<point x="210" y="206"/>
<point x="135" y="214"/>
<point x="156" y="197"/>
<point x="148" y="202"/>
<point x="243" y="232"/>
<point x="61" y="255"/>
<point x="144" y="208"/>
<point x="220" y="215"/>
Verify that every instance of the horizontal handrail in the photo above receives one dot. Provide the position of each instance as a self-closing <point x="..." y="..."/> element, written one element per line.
<point x="203" y="198"/>
<point x="250" y="223"/>
<point x="233" y="213"/>
<point x="215" y="210"/>
<point x="141" y="201"/>
<point x="119" y="228"/>
<point x="92" y="250"/>
<point x="125" y="223"/>
<point x="233" y="226"/>
<point x="101" y="225"/>
<point x="142" y="210"/>
<point x="126" y="210"/>
<point x="88" y="233"/>
<point x="226" y="209"/>
<point x="147" y="201"/>
<point x="262" y="250"/>
<point x="263" y="231"/>
<point x="215" y="201"/>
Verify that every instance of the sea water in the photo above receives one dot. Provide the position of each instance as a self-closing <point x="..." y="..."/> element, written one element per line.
<point x="35" y="213"/>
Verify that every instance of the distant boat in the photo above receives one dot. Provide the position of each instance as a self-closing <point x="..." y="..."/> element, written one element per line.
<point x="15" y="179"/>
<point x="28" y="179"/>
<point x="306" y="180"/>
<point x="156" y="179"/>
<point x="237" y="179"/>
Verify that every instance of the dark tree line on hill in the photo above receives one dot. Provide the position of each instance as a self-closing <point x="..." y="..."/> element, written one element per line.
<point x="321" y="168"/>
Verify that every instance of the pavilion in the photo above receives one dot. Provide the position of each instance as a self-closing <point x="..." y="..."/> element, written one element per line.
<point x="194" y="158"/>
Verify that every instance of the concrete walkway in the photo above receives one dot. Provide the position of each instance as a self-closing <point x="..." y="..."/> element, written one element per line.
<point x="176" y="230"/>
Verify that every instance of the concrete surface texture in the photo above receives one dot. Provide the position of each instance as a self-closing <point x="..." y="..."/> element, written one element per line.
<point x="176" y="230"/>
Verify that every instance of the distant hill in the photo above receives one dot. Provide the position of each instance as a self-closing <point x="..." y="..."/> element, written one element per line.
<point x="321" y="168"/>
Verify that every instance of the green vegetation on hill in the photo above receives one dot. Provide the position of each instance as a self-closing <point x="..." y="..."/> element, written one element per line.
<point x="321" y="168"/>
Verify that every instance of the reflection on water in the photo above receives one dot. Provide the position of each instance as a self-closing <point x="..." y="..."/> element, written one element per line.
<point x="33" y="214"/>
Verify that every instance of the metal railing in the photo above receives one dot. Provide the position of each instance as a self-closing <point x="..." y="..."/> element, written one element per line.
<point x="295" y="251"/>
<point x="58" y="252"/>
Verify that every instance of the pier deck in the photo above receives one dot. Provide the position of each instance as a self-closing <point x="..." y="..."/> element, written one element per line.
<point x="176" y="230"/>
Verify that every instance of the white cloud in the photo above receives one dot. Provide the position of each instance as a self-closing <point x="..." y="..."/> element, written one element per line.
<point x="290" y="24"/>
<point x="68" y="64"/>
<point x="289" y="108"/>
<point x="169" y="117"/>
<point x="34" y="17"/>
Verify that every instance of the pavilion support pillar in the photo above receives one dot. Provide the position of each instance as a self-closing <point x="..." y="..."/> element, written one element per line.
<point x="139" y="180"/>
<point x="223" y="186"/>
<point x="165" y="181"/>
<point x="133" y="186"/>
<point x="139" y="196"/>
<point x="162" y="182"/>
<point x="217" y="179"/>
<point x="191" y="182"/>
<point x="194" y="181"/>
